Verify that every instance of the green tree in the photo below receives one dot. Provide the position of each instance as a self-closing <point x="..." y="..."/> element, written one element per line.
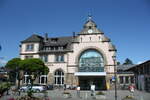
<point x="15" y="71"/>
<point x="33" y="67"/>
<point x="14" y="68"/>
<point x="128" y="62"/>
<point x="13" y="63"/>
<point x="118" y="63"/>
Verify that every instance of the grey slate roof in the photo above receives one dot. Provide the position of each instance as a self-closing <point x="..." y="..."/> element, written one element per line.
<point x="112" y="47"/>
<point x="138" y="65"/>
<point x="51" y="42"/>
<point x="59" y="41"/>
<point x="124" y="67"/>
<point x="33" y="38"/>
<point x="105" y="39"/>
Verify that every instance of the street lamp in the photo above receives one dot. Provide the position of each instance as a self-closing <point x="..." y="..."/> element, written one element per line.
<point x="8" y="84"/>
<point x="115" y="74"/>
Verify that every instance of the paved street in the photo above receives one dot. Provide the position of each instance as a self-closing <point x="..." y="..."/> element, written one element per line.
<point x="86" y="95"/>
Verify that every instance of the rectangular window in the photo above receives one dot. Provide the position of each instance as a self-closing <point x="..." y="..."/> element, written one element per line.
<point x="43" y="79"/>
<point x="132" y="79"/>
<point x="60" y="48"/>
<point x="59" y="58"/>
<point x="44" y="58"/>
<point x="28" y="56"/>
<point x="121" y="79"/>
<point x="126" y="79"/>
<point x="29" y="47"/>
<point x="26" y="79"/>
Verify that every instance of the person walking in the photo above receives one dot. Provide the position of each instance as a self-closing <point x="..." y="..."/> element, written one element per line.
<point x="78" y="91"/>
<point x="132" y="89"/>
<point x="92" y="90"/>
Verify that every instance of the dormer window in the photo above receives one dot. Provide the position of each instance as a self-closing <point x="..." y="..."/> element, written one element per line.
<point x="29" y="47"/>
<point x="90" y="27"/>
<point x="54" y="40"/>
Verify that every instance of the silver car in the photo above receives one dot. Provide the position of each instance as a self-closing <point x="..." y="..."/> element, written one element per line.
<point x="35" y="88"/>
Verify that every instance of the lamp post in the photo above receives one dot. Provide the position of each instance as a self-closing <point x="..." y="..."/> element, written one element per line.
<point x="8" y="85"/>
<point x="115" y="74"/>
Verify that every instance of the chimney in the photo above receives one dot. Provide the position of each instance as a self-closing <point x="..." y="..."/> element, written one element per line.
<point x="46" y="37"/>
<point x="74" y="34"/>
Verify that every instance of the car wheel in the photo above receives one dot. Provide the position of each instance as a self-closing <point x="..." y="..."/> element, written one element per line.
<point x="22" y="90"/>
<point x="37" y="90"/>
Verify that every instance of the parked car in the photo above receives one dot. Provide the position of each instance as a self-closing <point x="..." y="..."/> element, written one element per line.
<point x="35" y="88"/>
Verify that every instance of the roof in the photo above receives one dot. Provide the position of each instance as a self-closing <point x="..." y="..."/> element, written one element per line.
<point x="112" y="47"/>
<point x="139" y="65"/>
<point x="124" y="67"/>
<point x="33" y="38"/>
<point x="90" y="25"/>
<point x="58" y="41"/>
<point x="105" y="39"/>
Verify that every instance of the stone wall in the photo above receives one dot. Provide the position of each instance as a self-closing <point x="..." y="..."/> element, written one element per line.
<point x="70" y="79"/>
<point x="50" y="79"/>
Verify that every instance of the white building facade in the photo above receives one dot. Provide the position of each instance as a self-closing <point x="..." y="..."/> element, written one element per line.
<point x="83" y="59"/>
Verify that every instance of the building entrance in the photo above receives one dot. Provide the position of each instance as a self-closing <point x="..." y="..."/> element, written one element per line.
<point x="86" y="81"/>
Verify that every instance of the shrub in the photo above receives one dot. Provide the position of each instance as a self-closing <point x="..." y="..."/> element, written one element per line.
<point x="100" y="93"/>
<point x="66" y="92"/>
<point x="4" y="86"/>
<point x="30" y="93"/>
<point x="128" y="97"/>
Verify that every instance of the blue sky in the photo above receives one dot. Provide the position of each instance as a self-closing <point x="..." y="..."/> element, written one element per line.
<point x="126" y="22"/>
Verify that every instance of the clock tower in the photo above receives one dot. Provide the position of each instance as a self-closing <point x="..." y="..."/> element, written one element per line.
<point x="90" y="27"/>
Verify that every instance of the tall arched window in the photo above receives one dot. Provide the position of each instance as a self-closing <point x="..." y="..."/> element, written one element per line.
<point x="59" y="77"/>
<point x="91" y="61"/>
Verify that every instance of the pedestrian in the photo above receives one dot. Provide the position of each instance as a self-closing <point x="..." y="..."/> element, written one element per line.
<point x="92" y="90"/>
<point x="78" y="91"/>
<point x="131" y="89"/>
<point x="64" y="86"/>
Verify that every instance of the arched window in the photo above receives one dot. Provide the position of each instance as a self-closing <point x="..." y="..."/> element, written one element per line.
<point x="59" y="77"/>
<point x="91" y="61"/>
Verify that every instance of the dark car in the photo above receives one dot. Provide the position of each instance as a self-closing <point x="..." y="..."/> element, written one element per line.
<point x="50" y="87"/>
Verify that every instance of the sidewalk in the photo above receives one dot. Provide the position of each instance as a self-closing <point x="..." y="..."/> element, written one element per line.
<point x="86" y="95"/>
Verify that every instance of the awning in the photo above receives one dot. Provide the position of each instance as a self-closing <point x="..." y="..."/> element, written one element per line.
<point x="90" y="73"/>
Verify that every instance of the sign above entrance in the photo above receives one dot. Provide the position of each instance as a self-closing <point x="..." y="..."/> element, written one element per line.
<point x="91" y="69"/>
<point x="90" y="74"/>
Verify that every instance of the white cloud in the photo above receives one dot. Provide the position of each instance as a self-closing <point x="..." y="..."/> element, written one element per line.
<point x="139" y="62"/>
<point x="2" y="62"/>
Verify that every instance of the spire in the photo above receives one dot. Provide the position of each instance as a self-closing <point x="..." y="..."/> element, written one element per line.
<point x="89" y="16"/>
<point x="90" y="22"/>
<point x="46" y="37"/>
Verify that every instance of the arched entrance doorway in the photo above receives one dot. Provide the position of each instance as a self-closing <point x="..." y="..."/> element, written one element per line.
<point x="91" y="70"/>
<point x="59" y="77"/>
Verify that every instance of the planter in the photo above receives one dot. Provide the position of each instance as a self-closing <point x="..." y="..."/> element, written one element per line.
<point x="68" y="95"/>
<point x="100" y="97"/>
<point x="129" y="98"/>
